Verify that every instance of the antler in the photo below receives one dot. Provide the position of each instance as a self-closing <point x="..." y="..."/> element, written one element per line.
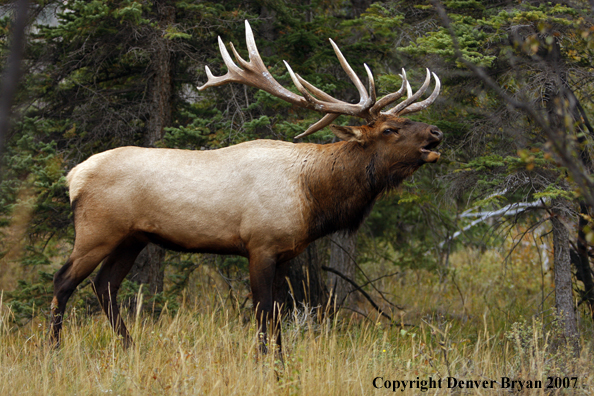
<point x="255" y="74"/>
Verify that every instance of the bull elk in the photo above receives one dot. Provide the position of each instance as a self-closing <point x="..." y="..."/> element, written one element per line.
<point x="265" y="200"/>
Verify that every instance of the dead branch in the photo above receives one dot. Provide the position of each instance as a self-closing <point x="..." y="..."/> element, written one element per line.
<point x="359" y="289"/>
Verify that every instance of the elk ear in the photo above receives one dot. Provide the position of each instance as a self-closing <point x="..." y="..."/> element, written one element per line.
<point x="347" y="133"/>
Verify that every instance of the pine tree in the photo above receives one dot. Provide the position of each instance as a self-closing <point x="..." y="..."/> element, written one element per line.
<point x="519" y="135"/>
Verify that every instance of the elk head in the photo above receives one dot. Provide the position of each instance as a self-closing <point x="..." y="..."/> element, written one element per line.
<point x="413" y="140"/>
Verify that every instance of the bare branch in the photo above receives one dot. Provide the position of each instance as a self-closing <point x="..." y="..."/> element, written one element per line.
<point x="359" y="289"/>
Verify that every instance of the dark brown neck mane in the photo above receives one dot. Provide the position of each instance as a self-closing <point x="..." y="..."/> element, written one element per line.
<point x="341" y="182"/>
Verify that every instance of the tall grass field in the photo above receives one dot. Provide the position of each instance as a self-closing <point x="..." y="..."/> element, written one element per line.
<point x="487" y="328"/>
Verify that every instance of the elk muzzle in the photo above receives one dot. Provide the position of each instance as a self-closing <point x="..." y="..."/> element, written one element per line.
<point x="435" y="138"/>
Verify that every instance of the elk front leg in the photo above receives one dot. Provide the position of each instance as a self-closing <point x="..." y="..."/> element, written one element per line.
<point x="262" y="271"/>
<point x="279" y="293"/>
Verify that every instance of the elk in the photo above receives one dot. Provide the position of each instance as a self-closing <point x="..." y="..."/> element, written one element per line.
<point x="265" y="200"/>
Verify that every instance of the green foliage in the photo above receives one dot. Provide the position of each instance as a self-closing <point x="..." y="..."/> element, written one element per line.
<point x="471" y="41"/>
<point x="553" y="192"/>
<point x="464" y="4"/>
<point x="483" y="33"/>
<point x="34" y="176"/>
<point x="400" y="223"/>
<point x="87" y="89"/>
<point x="30" y="297"/>
<point x="380" y="22"/>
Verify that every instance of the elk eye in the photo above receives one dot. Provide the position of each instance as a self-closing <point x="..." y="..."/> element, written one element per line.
<point x="389" y="131"/>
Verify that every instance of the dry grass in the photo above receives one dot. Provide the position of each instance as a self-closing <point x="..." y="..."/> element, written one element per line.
<point x="484" y="321"/>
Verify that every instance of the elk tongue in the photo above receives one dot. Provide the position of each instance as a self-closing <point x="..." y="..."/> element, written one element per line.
<point x="429" y="156"/>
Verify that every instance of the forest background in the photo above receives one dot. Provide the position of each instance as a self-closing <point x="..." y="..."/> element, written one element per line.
<point x="516" y="103"/>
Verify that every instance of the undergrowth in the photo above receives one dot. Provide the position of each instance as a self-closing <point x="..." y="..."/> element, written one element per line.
<point x="484" y="323"/>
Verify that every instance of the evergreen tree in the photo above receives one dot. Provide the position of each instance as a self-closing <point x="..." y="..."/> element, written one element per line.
<point x="115" y="73"/>
<point x="525" y="129"/>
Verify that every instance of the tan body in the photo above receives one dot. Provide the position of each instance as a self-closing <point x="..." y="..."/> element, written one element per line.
<point x="214" y="201"/>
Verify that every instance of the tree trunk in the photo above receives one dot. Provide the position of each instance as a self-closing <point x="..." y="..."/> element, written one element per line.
<point x="584" y="271"/>
<point x="160" y="88"/>
<point x="12" y="70"/>
<point x="563" y="285"/>
<point x="557" y="94"/>
<point x="360" y="6"/>
<point x="307" y="283"/>
<point x="266" y="30"/>
<point x="582" y="260"/>
<point x="343" y="247"/>
<point x="148" y="268"/>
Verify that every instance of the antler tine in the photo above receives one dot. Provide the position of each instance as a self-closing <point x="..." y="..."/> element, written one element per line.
<point x="316" y="91"/>
<point x="388" y="99"/>
<point x="408" y="89"/>
<point x="227" y="58"/>
<point x="411" y="98"/>
<point x="328" y="104"/>
<point x="365" y="100"/>
<point x="422" y="105"/>
<point x="372" y="94"/>
<point x="231" y="75"/>
<point x="255" y="73"/>
<point x="325" y="121"/>
<point x="324" y="102"/>
<point x="252" y="48"/>
<point x="315" y="102"/>
<point x="240" y="60"/>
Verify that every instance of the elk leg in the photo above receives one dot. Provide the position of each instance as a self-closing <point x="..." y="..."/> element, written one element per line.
<point x="279" y="294"/>
<point x="77" y="268"/>
<point x="262" y="270"/>
<point x="108" y="280"/>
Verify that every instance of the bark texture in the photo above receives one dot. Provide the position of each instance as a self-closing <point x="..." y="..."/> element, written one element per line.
<point x="582" y="259"/>
<point x="307" y="282"/>
<point x="343" y="247"/>
<point x="563" y="286"/>
<point x="557" y="95"/>
<point x="12" y="70"/>
<point x="359" y="6"/>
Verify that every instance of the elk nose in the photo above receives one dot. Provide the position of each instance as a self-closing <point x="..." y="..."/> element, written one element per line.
<point x="436" y="133"/>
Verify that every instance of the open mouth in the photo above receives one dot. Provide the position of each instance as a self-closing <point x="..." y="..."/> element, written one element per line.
<point x="427" y="154"/>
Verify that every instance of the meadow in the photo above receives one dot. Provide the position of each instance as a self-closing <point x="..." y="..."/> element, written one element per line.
<point x="486" y="325"/>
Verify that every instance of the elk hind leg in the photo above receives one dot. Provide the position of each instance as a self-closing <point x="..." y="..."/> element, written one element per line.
<point x="108" y="280"/>
<point x="80" y="264"/>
